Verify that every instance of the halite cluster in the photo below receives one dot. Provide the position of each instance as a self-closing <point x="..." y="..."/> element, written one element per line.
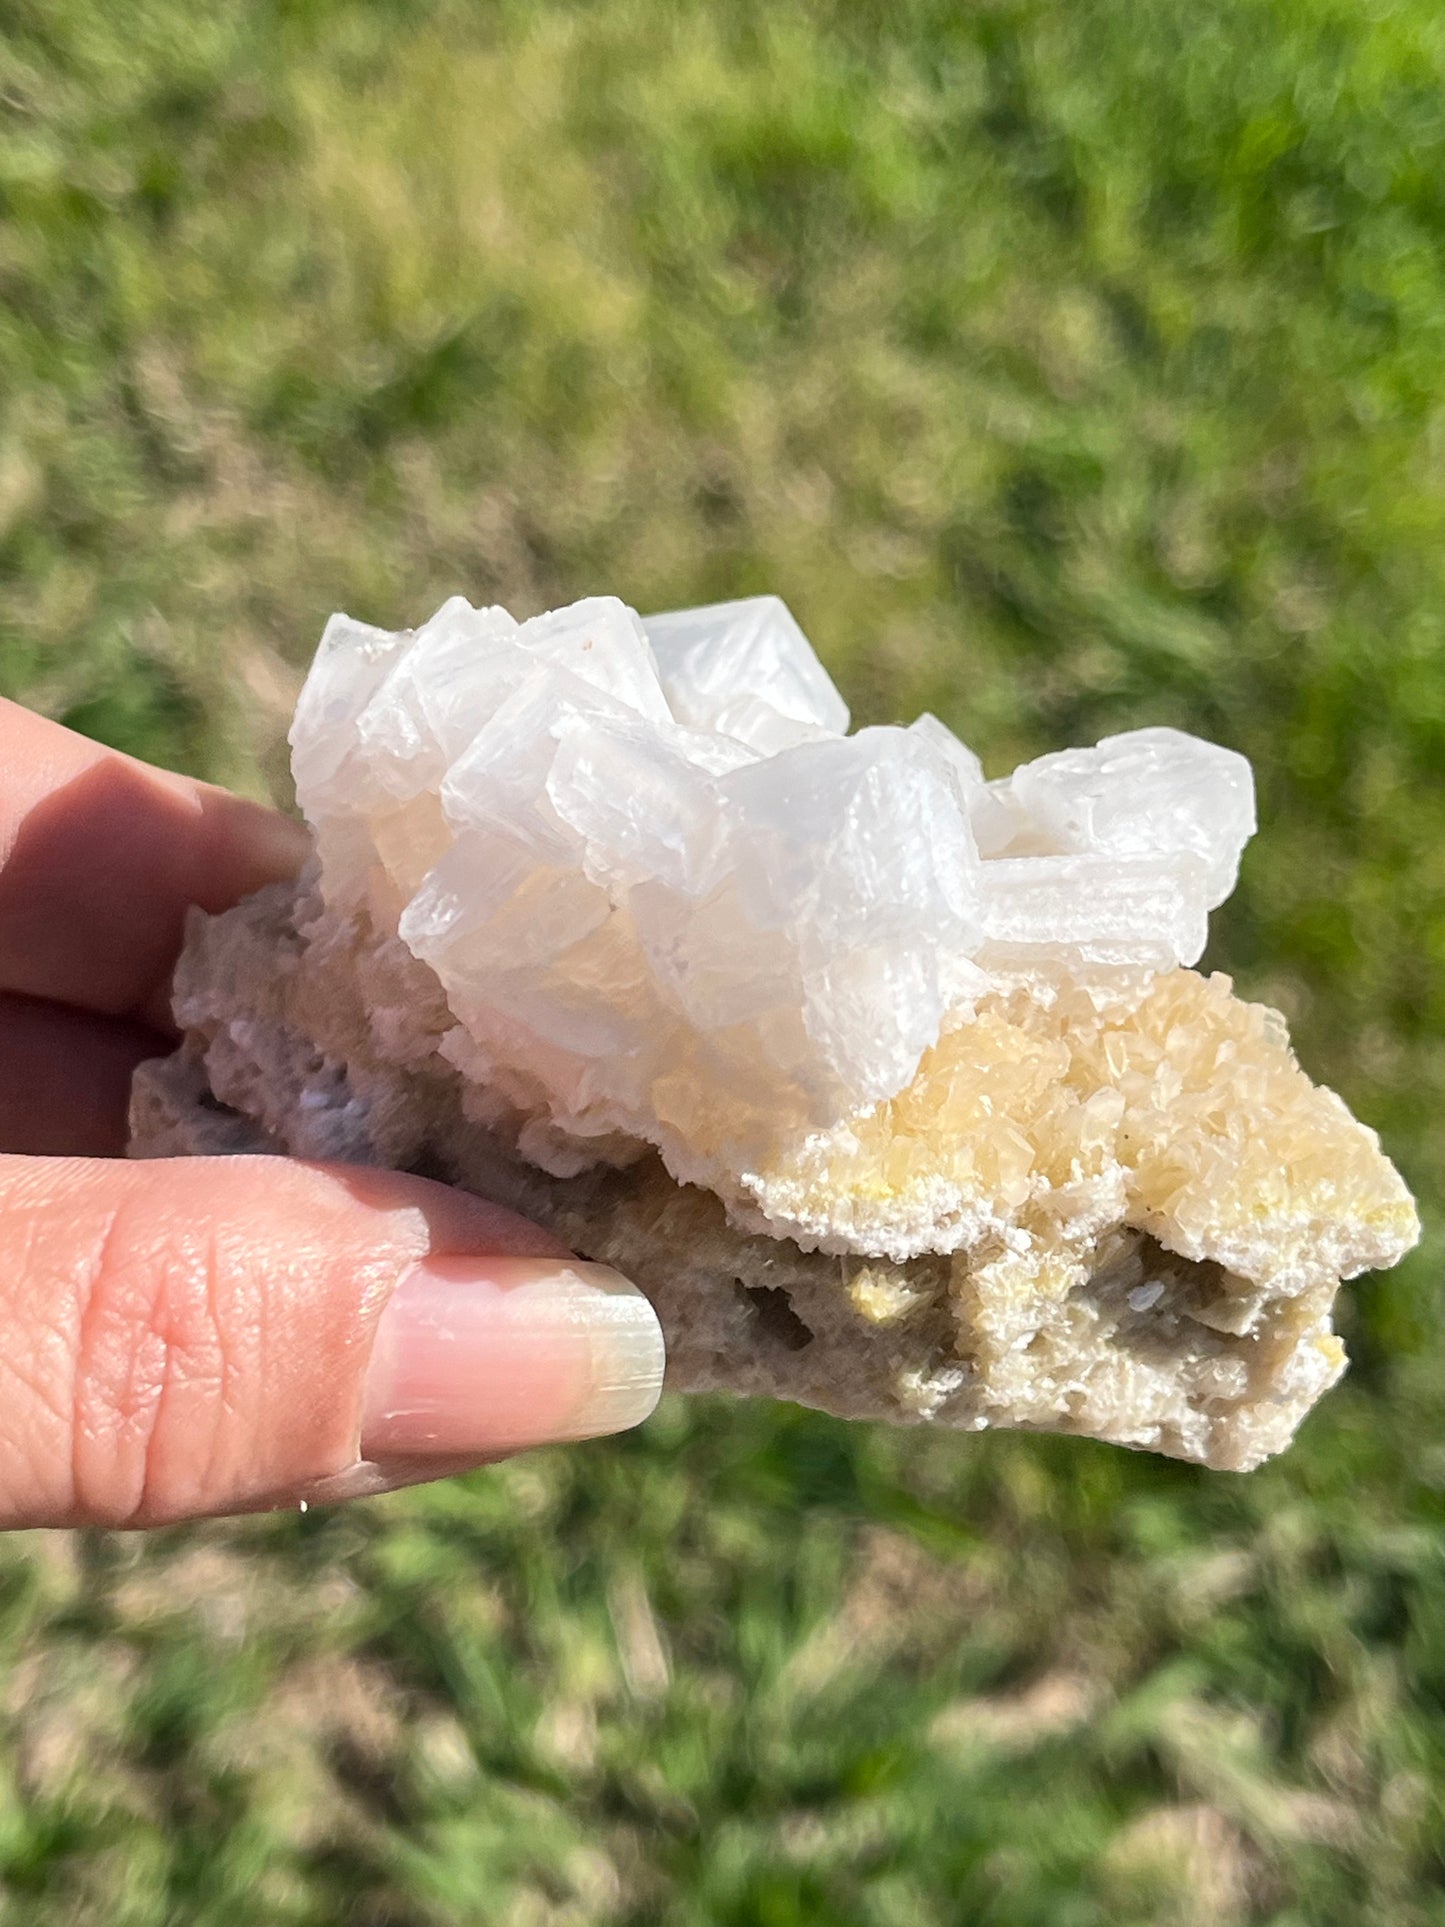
<point x="672" y="901"/>
<point x="959" y="1140"/>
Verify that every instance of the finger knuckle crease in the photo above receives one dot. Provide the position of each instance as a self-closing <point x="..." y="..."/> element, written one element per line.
<point x="149" y="1340"/>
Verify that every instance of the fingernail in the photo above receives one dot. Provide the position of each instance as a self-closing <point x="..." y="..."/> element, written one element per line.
<point x="488" y="1355"/>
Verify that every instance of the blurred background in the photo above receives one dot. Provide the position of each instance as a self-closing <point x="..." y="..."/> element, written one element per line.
<point x="1067" y="368"/>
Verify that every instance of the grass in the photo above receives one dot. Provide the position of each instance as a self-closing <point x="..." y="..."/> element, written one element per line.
<point x="1065" y="368"/>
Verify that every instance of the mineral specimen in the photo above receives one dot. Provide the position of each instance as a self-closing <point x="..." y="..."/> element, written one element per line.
<point x="611" y="918"/>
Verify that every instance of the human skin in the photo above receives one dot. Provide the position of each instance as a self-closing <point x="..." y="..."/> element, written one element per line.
<point x="198" y="1336"/>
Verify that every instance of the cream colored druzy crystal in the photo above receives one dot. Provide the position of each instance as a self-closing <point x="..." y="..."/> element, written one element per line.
<point x="1046" y="1120"/>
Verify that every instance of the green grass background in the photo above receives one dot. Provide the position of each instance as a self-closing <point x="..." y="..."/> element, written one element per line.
<point x="1067" y="367"/>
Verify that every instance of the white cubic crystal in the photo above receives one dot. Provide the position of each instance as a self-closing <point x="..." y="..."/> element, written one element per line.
<point x="460" y="666"/>
<point x="642" y="805"/>
<point x="964" y="768"/>
<point x="501" y="776"/>
<point x="1146" y="910"/>
<point x="351" y="664"/>
<point x="495" y="901"/>
<point x="853" y="839"/>
<point x="602" y="642"/>
<point x="1151" y="792"/>
<point x="742" y="667"/>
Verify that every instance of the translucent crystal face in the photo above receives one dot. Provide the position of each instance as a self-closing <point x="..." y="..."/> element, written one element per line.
<point x="671" y="900"/>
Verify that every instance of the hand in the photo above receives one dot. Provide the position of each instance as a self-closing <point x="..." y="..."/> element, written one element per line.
<point x="207" y="1335"/>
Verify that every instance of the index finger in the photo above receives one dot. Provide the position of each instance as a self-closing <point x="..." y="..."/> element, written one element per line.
<point x="100" y="858"/>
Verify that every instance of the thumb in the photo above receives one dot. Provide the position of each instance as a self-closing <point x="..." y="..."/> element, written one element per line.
<point x="209" y="1335"/>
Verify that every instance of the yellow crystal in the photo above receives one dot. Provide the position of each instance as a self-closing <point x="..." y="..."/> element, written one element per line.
<point x="1180" y="1112"/>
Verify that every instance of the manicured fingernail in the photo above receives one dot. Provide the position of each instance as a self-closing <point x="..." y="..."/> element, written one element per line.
<point x="488" y="1355"/>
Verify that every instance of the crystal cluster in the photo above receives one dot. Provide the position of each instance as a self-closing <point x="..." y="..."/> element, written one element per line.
<point x="890" y="1086"/>
<point x="672" y="902"/>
